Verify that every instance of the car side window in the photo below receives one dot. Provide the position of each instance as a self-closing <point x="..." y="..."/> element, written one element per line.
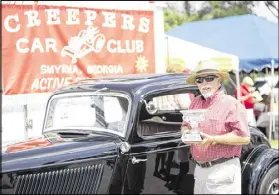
<point x="168" y="118"/>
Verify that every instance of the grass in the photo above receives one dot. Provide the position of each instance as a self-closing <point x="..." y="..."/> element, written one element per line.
<point x="275" y="143"/>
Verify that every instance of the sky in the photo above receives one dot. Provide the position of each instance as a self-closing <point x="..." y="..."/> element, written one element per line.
<point x="259" y="10"/>
<point x="262" y="10"/>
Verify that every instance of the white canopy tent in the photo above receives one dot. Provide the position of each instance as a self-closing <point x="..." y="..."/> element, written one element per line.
<point x="191" y="54"/>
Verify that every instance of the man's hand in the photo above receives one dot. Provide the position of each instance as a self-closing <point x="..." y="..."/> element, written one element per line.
<point x="186" y="129"/>
<point x="207" y="139"/>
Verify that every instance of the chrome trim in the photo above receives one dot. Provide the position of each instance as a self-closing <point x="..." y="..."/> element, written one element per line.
<point x="135" y="160"/>
<point x="273" y="188"/>
<point x="125" y="147"/>
<point x="159" y="150"/>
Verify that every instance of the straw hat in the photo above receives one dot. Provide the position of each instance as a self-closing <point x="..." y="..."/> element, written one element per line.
<point x="206" y="67"/>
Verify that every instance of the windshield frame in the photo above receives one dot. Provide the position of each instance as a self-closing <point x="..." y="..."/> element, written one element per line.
<point x="93" y="129"/>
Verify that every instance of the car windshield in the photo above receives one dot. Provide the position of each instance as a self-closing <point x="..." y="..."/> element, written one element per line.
<point x="97" y="112"/>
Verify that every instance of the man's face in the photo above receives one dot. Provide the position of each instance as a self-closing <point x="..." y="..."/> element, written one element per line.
<point x="208" y="84"/>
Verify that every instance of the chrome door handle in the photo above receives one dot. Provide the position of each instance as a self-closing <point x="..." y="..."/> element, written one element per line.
<point x="135" y="160"/>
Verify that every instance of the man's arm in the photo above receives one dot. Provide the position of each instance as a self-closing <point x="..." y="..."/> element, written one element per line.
<point x="228" y="139"/>
<point x="246" y="97"/>
<point x="231" y="139"/>
<point x="242" y="98"/>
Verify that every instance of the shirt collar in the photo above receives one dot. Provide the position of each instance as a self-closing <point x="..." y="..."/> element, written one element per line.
<point x="215" y="96"/>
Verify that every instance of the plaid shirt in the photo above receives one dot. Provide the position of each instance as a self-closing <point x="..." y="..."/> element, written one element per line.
<point x="225" y="114"/>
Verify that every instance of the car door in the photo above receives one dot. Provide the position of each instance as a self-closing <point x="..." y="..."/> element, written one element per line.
<point x="159" y="161"/>
<point x="155" y="168"/>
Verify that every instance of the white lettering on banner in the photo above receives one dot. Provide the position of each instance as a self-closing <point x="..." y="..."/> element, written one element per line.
<point x="37" y="45"/>
<point x="18" y="48"/>
<point x="127" y="22"/>
<point x="144" y="25"/>
<point x="72" y="16"/>
<point x="91" y="16"/>
<point x="109" y="19"/>
<point x="8" y="27"/>
<point x="52" y="83"/>
<point x="104" y="69"/>
<point x="129" y="46"/>
<point x="60" y="69"/>
<point x="32" y="18"/>
<point x="49" y="43"/>
<point x="53" y="18"/>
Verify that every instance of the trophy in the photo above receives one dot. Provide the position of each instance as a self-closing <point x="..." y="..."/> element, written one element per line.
<point x="193" y="117"/>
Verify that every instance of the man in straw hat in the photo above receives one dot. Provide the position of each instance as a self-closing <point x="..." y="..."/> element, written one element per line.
<point x="223" y="131"/>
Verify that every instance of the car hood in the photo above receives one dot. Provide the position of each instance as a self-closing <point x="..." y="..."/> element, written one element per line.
<point x="35" y="142"/>
<point x="51" y="149"/>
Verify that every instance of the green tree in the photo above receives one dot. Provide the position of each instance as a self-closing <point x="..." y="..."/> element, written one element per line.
<point x="173" y="19"/>
<point x="209" y="10"/>
<point x="221" y="9"/>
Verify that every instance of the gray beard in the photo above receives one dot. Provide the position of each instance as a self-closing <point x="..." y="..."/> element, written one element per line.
<point x="207" y="95"/>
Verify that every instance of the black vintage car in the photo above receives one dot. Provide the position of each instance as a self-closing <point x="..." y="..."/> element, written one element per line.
<point x="117" y="135"/>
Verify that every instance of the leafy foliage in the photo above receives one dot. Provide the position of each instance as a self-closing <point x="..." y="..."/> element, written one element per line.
<point x="209" y="10"/>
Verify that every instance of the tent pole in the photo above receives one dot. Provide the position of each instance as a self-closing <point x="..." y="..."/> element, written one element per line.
<point x="271" y="125"/>
<point x="273" y="95"/>
<point x="237" y="82"/>
<point x="168" y="55"/>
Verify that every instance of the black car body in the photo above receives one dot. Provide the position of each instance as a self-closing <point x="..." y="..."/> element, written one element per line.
<point x="117" y="157"/>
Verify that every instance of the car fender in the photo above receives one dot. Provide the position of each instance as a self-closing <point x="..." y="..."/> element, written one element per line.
<point x="255" y="166"/>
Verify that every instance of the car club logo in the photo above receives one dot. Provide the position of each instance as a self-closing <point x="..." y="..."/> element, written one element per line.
<point x="91" y="40"/>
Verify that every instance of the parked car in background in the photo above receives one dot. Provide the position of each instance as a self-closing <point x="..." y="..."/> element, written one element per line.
<point x="99" y="137"/>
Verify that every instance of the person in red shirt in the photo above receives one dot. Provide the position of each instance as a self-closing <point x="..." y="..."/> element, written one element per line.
<point x="246" y="93"/>
<point x="248" y="99"/>
<point x="224" y="130"/>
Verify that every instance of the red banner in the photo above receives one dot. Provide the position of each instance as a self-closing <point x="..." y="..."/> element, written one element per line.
<point x="47" y="47"/>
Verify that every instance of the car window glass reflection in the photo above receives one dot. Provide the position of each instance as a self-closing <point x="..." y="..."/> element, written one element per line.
<point x="96" y="111"/>
<point x="67" y="113"/>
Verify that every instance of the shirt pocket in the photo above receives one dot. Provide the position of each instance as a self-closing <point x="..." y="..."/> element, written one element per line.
<point x="217" y="123"/>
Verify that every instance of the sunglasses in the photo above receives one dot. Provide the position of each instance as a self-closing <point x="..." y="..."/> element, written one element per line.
<point x="208" y="78"/>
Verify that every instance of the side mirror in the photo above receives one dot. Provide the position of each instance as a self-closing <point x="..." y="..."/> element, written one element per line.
<point x="150" y="107"/>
